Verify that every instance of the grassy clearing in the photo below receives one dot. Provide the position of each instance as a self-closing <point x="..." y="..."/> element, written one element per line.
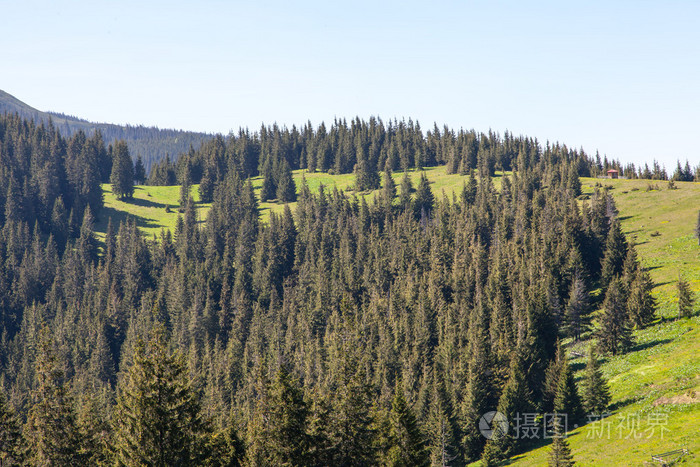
<point x="149" y="202"/>
<point x="147" y="207"/>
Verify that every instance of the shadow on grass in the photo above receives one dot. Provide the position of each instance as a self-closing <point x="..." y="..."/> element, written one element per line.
<point x="615" y="406"/>
<point x="145" y="203"/>
<point x="650" y="344"/>
<point x="120" y="216"/>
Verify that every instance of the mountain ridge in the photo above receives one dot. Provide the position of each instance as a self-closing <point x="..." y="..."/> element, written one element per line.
<point x="152" y="143"/>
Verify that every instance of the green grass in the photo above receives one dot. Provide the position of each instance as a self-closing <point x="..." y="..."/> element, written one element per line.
<point x="147" y="207"/>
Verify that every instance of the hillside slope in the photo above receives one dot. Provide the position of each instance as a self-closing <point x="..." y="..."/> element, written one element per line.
<point x="655" y="387"/>
<point x="152" y="143"/>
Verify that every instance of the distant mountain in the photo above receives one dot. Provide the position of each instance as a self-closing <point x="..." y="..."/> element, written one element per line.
<point x="151" y="142"/>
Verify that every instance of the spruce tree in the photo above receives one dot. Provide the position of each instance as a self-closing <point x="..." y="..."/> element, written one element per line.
<point x="280" y="427"/>
<point x="52" y="433"/>
<point x="349" y="427"/>
<point x="515" y="401"/>
<point x="366" y="176"/>
<point x="641" y="305"/>
<point x="11" y="441"/>
<point x="567" y="401"/>
<point x="615" y="254"/>
<point x="157" y="420"/>
<point x="443" y="432"/>
<point x="406" y="189"/>
<point x="122" y="178"/>
<point x="286" y="188"/>
<point x="559" y="451"/>
<point x="139" y="171"/>
<point x="596" y="395"/>
<point x="614" y="332"/>
<point x="685" y="298"/>
<point x="577" y="314"/>
<point x="423" y="204"/>
<point x="407" y="443"/>
<point x="388" y="186"/>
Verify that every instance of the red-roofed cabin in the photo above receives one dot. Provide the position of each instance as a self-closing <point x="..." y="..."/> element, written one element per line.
<point x="612" y="173"/>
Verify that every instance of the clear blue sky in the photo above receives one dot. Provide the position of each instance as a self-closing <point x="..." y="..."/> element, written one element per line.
<point x="621" y="77"/>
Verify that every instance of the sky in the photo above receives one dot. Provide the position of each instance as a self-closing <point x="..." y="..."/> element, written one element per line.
<point x="618" y="77"/>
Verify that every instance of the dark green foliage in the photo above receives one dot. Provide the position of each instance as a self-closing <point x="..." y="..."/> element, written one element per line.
<point x="615" y="253"/>
<point x="596" y="394"/>
<point x="559" y="451"/>
<point x="52" y="432"/>
<point x="424" y="200"/>
<point x="567" y="400"/>
<point x="388" y="186"/>
<point x="515" y="401"/>
<point x="286" y="188"/>
<point x="280" y="430"/>
<point x="697" y="228"/>
<point x="641" y="305"/>
<point x="614" y="329"/>
<point x="366" y="175"/>
<point x="406" y="189"/>
<point x="577" y="317"/>
<point x="122" y="178"/>
<point x="11" y="441"/>
<point x="139" y="171"/>
<point x="407" y="444"/>
<point x="157" y="419"/>
<point x="686" y="300"/>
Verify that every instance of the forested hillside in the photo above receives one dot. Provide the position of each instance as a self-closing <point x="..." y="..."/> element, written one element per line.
<point x="153" y="144"/>
<point x="346" y="333"/>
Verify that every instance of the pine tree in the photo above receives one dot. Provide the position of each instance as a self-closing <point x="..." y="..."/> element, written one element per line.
<point x="615" y="253"/>
<point x="122" y="178"/>
<point x="11" y="441"/>
<point x="551" y="379"/>
<point x="157" y="419"/>
<point x="407" y="444"/>
<point x="567" y="401"/>
<point x="366" y="176"/>
<point x="388" y="186"/>
<point x="282" y="423"/>
<point x="515" y="401"/>
<point x="51" y="431"/>
<point x="685" y="298"/>
<point x="577" y="315"/>
<point x="139" y="171"/>
<point x="286" y="188"/>
<point x="614" y="333"/>
<point x="349" y="429"/>
<point x="641" y="305"/>
<point x="443" y="432"/>
<point x="406" y="189"/>
<point x="560" y="452"/>
<point x="269" y="186"/>
<point x="596" y="394"/>
<point x="425" y="199"/>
